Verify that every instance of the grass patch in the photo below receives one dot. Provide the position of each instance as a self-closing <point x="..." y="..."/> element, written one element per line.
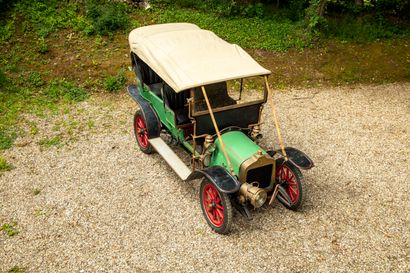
<point x="6" y="141"/>
<point x="4" y="166"/>
<point x="115" y="83"/>
<point x="272" y="33"/>
<point x="35" y="80"/>
<point x="49" y="142"/>
<point x="9" y="229"/>
<point x="47" y="16"/>
<point x="61" y="89"/>
<point x="16" y="269"/>
<point x="32" y="95"/>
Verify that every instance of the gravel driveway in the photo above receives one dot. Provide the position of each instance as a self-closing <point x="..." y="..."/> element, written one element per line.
<point x="98" y="204"/>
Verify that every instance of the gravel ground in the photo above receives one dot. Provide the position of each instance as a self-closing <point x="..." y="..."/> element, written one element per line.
<point x="97" y="204"/>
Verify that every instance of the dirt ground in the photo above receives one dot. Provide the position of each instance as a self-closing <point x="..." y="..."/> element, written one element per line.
<point x="97" y="204"/>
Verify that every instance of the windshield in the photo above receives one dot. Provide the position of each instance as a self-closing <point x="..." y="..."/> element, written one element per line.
<point x="234" y="93"/>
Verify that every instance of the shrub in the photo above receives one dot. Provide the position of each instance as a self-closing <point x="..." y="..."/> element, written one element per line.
<point x="42" y="45"/>
<point x="115" y="83"/>
<point x="7" y="30"/>
<point x="106" y="17"/>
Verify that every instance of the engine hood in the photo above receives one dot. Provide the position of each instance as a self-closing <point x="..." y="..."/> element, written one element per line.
<point x="239" y="147"/>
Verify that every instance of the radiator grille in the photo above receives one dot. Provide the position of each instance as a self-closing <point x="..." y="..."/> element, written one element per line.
<point x="262" y="175"/>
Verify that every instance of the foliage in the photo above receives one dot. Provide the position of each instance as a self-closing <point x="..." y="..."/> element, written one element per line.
<point x="106" y="17"/>
<point x="363" y="30"/>
<point x="250" y="9"/>
<point x="6" y="141"/>
<point x="35" y="80"/>
<point x="376" y="19"/>
<point x="47" y="16"/>
<point x="4" y="166"/>
<point x="61" y="89"/>
<point x="314" y="16"/>
<point x="267" y="33"/>
<point x="9" y="229"/>
<point x="7" y="30"/>
<point x="115" y="83"/>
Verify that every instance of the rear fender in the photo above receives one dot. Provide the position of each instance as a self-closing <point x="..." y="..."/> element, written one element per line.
<point x="296" y="157"/>
<point x="150" y="116"/>
<point x="220" y="177"/>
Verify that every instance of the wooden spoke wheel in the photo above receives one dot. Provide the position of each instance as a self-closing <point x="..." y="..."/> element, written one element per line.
<point x="141" y="133"/>
<point x="290" y="178"/>
<point x="216" y="207"/>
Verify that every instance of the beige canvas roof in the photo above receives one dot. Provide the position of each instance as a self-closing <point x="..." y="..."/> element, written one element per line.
<point x="186" y="56"/>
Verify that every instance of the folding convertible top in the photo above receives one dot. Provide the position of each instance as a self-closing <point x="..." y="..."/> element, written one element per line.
<point x="186" y="56"/>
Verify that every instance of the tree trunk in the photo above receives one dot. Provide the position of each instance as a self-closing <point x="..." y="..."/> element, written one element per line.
<point x="322" y="7"/>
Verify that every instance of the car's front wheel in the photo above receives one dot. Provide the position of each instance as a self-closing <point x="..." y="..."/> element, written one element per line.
<point x="216" y="207"/>
<point x="291" y="179"/>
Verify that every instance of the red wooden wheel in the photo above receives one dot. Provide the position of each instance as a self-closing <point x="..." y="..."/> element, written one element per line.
<point x="216" y="207"/>
<point x="141" y="133"/>
<point x="290" y="178"/>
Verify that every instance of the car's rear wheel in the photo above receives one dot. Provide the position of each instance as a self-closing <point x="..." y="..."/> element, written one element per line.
<point x="291" y="179"/>
<point x="141" y="133"/>
<point x="216" y="207"/>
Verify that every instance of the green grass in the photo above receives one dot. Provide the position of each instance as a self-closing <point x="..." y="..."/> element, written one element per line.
<point x="272" y="33"/>
<point x="61" y="89"/>
<point x="116" y="82"/>
<point x="4" y="166"/>
<point x="33" y="96"/>
<point x="47" y="16"/>
<point x="49" y="142"/>
<point x="6" y="141"/>
<point x="9" y="229"/>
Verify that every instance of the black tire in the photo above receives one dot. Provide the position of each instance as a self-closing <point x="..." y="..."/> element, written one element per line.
<point x="291" y="179"/>
<point x="141" y="133"/>
<point x="221" y="205"/>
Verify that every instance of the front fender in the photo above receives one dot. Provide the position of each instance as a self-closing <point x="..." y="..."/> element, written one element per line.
<point x="220" y="177"/>
<point x="296" y="157"/>
<point x="150" y="116"/>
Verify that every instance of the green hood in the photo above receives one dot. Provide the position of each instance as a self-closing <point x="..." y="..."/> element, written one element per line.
<point x="239" y="148"/>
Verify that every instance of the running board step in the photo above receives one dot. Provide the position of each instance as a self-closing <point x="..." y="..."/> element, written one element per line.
<point x="170" y="157"/>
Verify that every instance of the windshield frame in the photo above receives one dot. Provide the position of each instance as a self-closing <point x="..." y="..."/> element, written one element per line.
<point x="224" y="108"/>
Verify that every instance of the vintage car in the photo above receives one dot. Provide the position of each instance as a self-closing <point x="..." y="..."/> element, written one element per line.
<point x="206" y="95"/>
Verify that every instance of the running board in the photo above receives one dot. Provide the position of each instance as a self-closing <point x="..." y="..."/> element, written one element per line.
<point x="170" y="157"/>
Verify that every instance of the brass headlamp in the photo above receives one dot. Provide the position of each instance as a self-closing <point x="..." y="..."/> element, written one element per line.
<point x="252" y="193"/>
